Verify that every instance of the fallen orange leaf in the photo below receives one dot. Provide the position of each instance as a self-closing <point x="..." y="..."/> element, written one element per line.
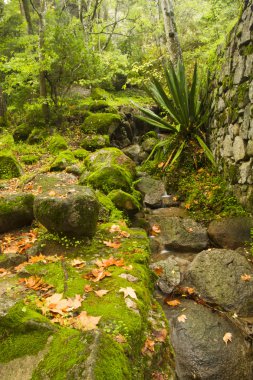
<point x="148" y="346"/>
<point x="245" y="277"/>
<point x="173" y="303"/>
<point x="227" y="337"/>
<point x="111" y="244"/>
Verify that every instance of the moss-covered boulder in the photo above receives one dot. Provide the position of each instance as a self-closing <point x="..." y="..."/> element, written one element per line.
<point x="94" y="142"/>
<point x="62" y="161"/>
<point x="80" y="154"/>
<point x="56" y="144"/>
<point x="100" y="94"/>
<point x="149" y="144"/>
<point x="71" y="210"/>
<point x="29" y="159"/>
<point x="6" y="142"/>
<point x="107" y="157"/>
<point x="38" y="135"/>
<point x="124" y="201"/>
<point x="101" y="123"/>
<point x="108" y="169"/>
<point x="22" y="132"/>
<point x="98" y="105"/>
<point x="9" y="167"/>
<point x="16" y="210"/>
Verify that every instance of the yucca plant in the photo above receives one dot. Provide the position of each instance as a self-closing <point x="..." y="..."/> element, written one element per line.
<point x="185" y="112"/>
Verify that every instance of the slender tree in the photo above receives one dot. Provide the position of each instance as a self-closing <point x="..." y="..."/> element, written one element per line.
<point x="171" y="36"/>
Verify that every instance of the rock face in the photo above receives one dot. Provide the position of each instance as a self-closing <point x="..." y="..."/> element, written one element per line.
<point x="9" y="167"/>
<point x="169" y="274"/>
<point x="180" y="234"/>
<point x="200" y="351"/>
<point x="216" y="276"/>
<point x="73" y="211"/>
<point x="231" y="232"/>
<point x="231" y="125"/>
<point x="16" y="210"/>
<point x="152" y="190"/>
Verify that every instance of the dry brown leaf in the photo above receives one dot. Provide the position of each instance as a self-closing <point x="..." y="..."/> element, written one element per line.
<point x="101" y="292"/>
<point x="52" y="193"/>
<point x="112" y="244"/>
<point x="173" y="303"/>
<point x="128" y="277"/>
<point x="115" y="228"/>
<point x="131" y="304"/>
<point x="58" y="305"/>
<point x="85" y="322"/>
<point x="97" y="274"/>
<point x="35" y="283"/>
<point x="109" y="262"/>
<point x="128" y="292"/>
<point x="77" y="263"/>
<point x="246" y="277"/>
<point x="156" y="229"/>
<point x="4" y="272"/>
<point x="36" y="259"/>
<point x="158" y="271"/>
<point x="160" y="335"/>
<point x="120" y="338"/>
<point x="182" y="318"/>
<point x="227" y="337"/>
<point x="148" y="346"/>
<point x="88" y="288"/>
<point x="161" y="165"/>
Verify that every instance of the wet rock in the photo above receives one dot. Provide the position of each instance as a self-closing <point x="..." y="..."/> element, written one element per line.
<point x="170" y="211"/>
<point x="230" y="232"/>
<point x="168" y="274"/>
<point x="72" y="212"/>
<point x="16" y="210"/>
<point x="216" y="275"/>
<point x="200" y="351"/>
<point x="180" y="234"/>
<point x="152" y="190"/>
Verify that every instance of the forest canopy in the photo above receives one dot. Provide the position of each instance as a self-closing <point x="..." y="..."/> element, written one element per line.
<point x="47" y="46"/>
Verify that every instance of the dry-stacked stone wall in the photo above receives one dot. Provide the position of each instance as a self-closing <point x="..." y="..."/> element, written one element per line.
<point x="231" y="126"/>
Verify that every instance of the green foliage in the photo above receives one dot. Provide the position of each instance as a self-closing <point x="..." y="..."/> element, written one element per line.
<point x="56" y="144"/>
<point x="185" y="111"/>
<point x="206" y="195"/>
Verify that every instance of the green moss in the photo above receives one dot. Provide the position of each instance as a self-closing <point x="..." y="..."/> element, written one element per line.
<point x="247" y="49"/>
<point x="98" y="105"/>
<point x="38" y="135"/>
<point x="107" y="212"/>
<point x="80" y="154"/>
<point x="110" y="178"/>
<point x="112" y="363"/>
<point x="9" y="167"/>
<point x="22" y="132"/>
<point x="100" y="94"/>
<point x="23" y="332"/>
<point x="124" y="201"/>
<point x="6" y="142"/>
<point x="94" y="142"/>
<point x="65" y="360"/>
<point x="101" y="123"/>
<point x="29" y="159"/>
<point x="56" y="144"/>
<point x="64" y="159"/>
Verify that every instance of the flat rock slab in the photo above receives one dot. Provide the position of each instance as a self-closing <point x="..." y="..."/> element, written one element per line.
<point x="216" y="275"/>
<point x="180" y="234"/>
<point x="200" y="351"/>
<point x="231" y="232"/>
<point x="47" y="181"/>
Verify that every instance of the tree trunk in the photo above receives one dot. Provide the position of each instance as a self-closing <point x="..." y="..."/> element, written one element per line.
<point x="26" y="9"/>
<point x="2" y="107"/>
<point x="172" y="41"/>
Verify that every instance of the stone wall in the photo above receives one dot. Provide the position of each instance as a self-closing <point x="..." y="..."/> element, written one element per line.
<point x="231" y="126"/>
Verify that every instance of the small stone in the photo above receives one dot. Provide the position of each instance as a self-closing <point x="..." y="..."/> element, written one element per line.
<point x="239" y="149"/>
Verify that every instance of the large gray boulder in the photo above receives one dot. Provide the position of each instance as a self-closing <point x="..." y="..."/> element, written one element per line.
<point x="216" y="276"/>
<point x="16" y="210"/>
<point x="200" y="350"/>
<point x="72" y="211"/>
<point x="231" y="232"/>
<point x="152" y="190"/>
<point x="180" y="234"/>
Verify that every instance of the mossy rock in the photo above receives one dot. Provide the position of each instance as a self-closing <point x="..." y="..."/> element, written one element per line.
<point x="62" y="161"/>
<point x="100" y="94"/>
<point x="80" y="154"/>
<point x="37" y="136"/>
<point x="72" y="211"/>
<point x="22" y="132"/>
<point x="107" y="157"/>
<point x="107" y="210"/>
<point x="56" y="144"/>
<point x="94" y="142"/>
<point x="16" y="210"/>
<point x="149" y="143"/>
<point x="48" y="181"/>
<point x="29" y="159"/>
<point x="6" y="142"/>
<point x="98" y="105"/>
<point x="101" y="123"/>
<point x="9" y="167"/>
<point x="124" y="201"/>
<point x="108" y="178"/>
